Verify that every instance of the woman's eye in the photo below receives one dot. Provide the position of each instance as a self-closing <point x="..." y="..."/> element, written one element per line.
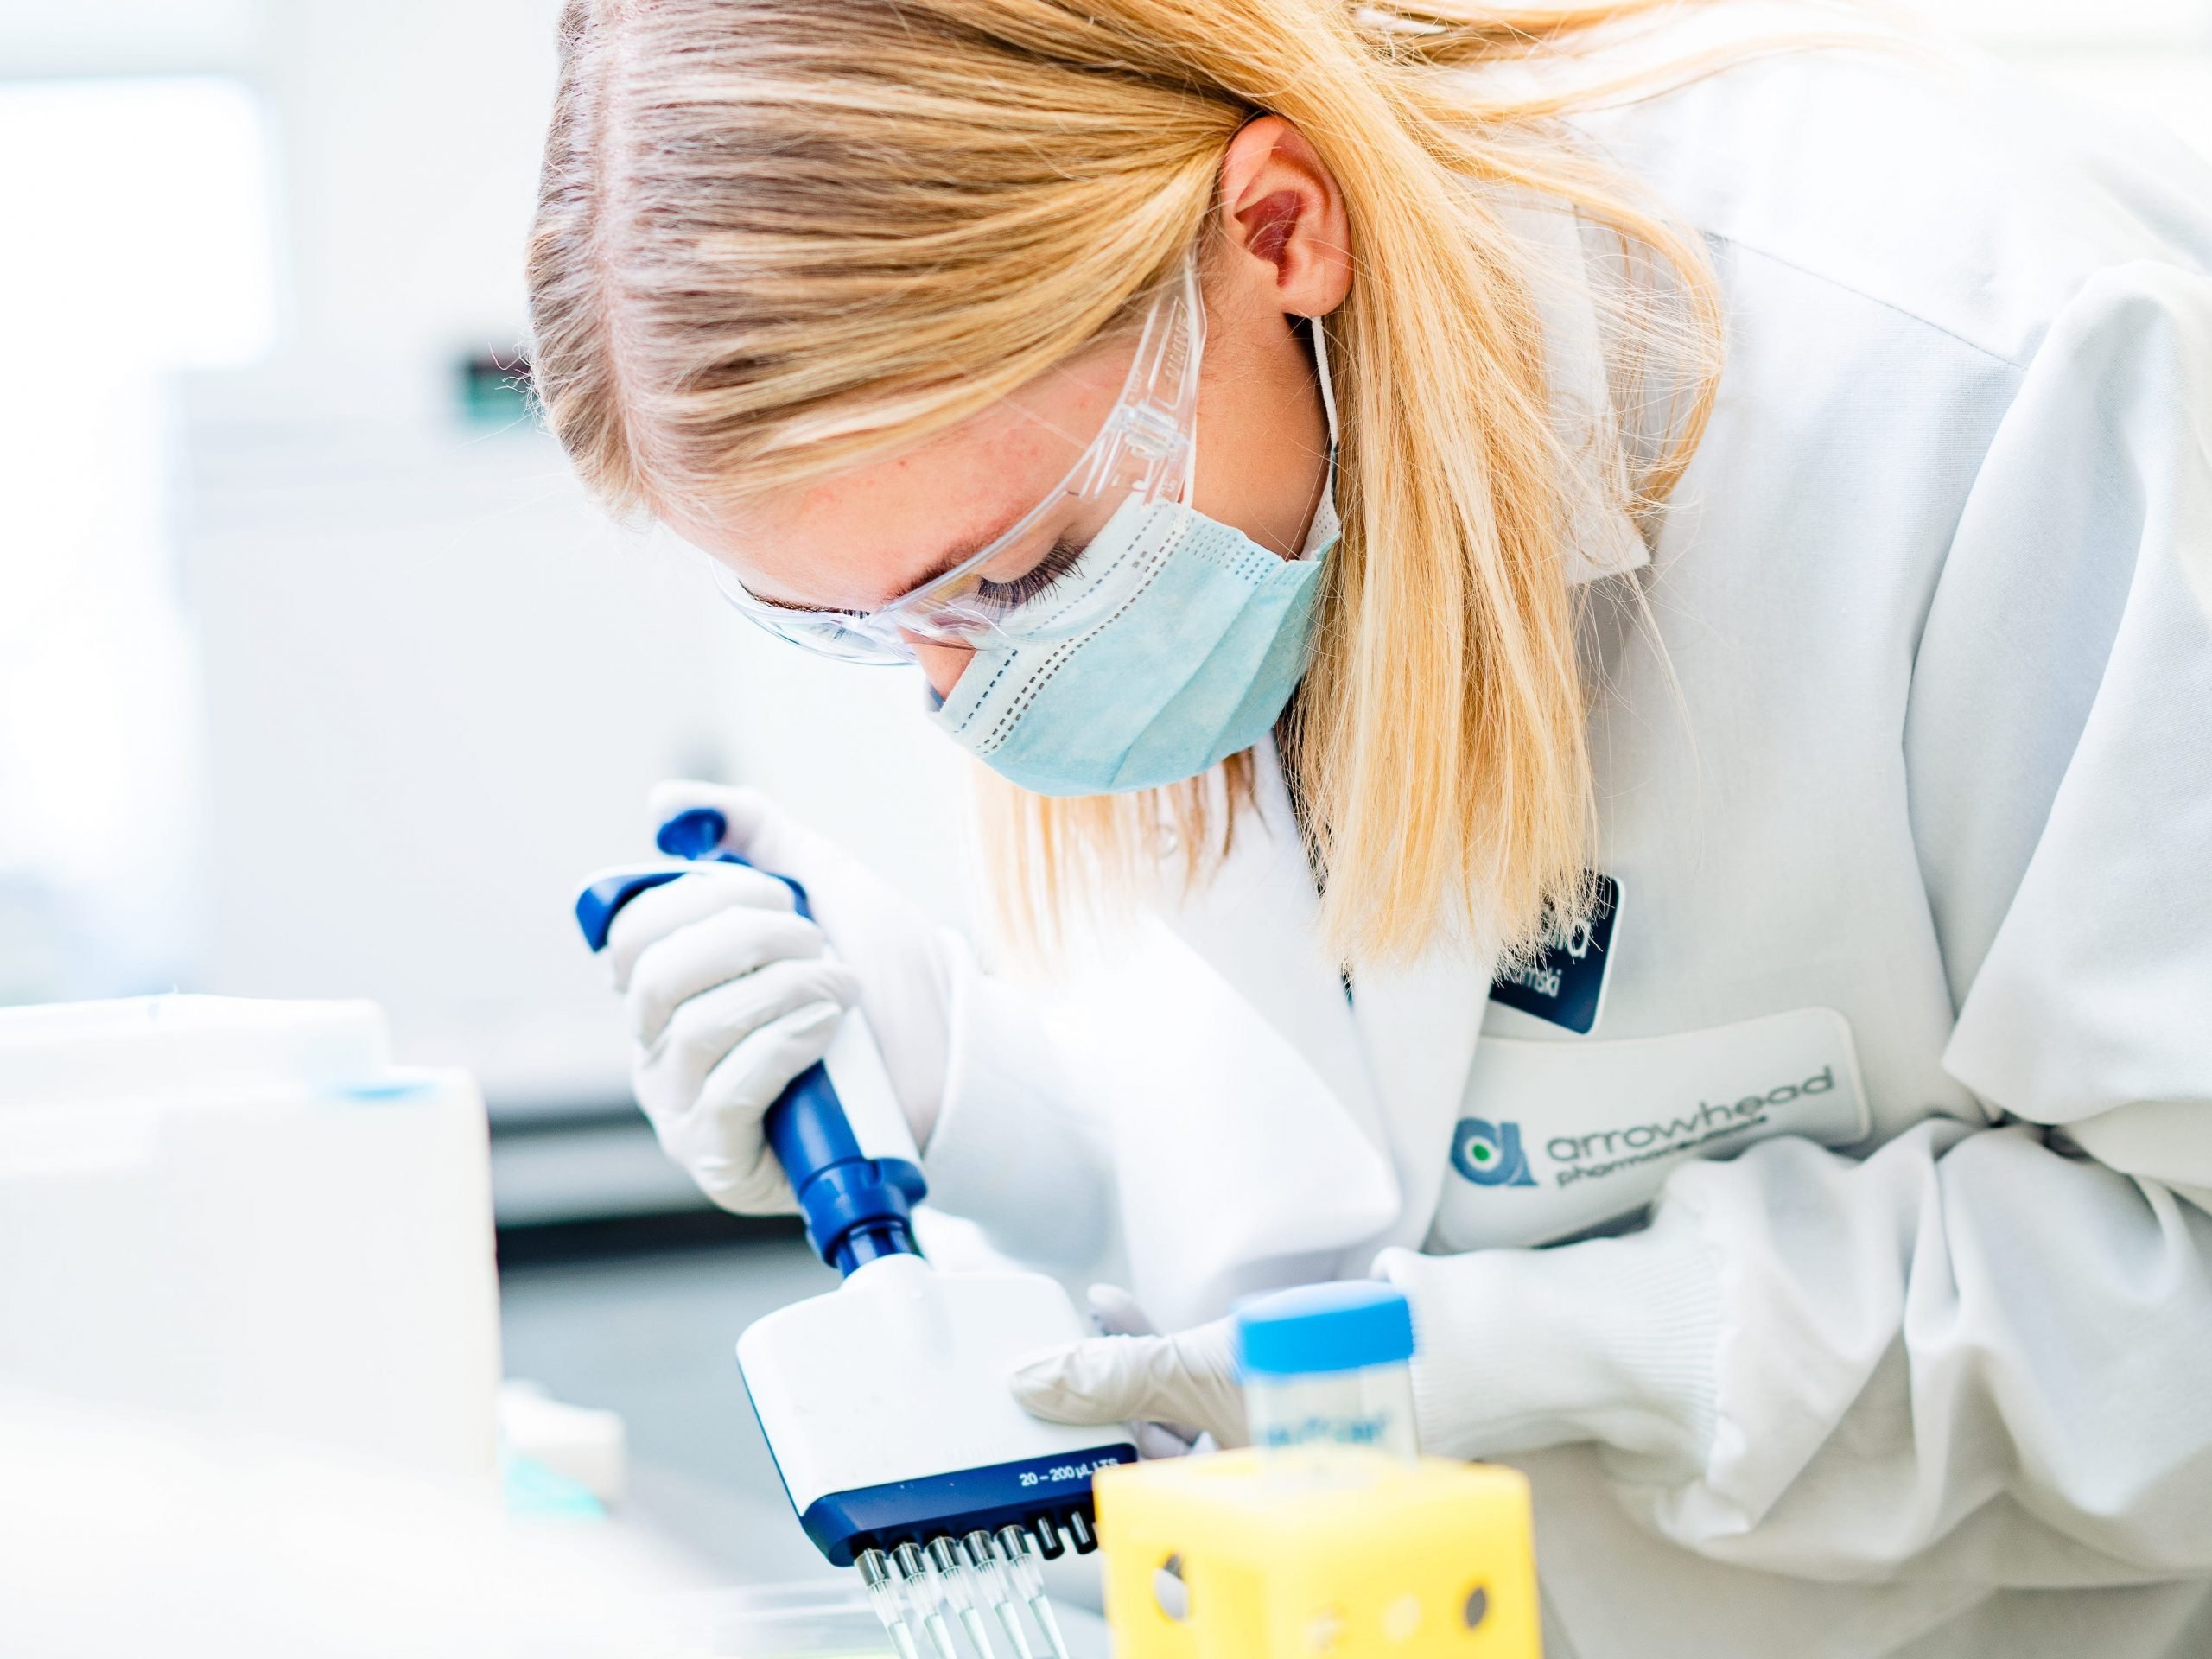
<point x="1032" y="584"/>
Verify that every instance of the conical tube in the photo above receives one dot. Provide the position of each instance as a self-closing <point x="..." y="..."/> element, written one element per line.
<point x="1020" y="1553"/>
<point x="988" y="1578"/>
<point x="926" y="1595"/>
<point x="883" y="1596"/>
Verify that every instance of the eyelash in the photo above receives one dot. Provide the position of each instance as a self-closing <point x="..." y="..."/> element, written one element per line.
<point x="1035" y="581"/>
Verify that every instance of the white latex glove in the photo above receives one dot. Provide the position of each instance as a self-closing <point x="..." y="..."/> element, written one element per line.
<point x="731" y="994"/>
<point x="1176" y="1390"/>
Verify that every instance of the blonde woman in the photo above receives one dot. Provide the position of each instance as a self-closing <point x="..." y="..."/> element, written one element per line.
<point x="1598" y="616"/>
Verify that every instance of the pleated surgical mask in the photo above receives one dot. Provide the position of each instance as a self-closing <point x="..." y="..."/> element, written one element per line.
<point x="1180" y="648"/>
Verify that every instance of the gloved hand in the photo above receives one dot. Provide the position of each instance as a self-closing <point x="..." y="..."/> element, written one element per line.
<point x="1174" y="1390"/>
<point x="731" y="994"/>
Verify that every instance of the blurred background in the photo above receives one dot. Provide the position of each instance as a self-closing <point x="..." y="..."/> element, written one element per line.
<point x="319" y="677"/>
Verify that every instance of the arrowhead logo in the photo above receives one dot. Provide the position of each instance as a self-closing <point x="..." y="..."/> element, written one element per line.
<point x="1490" y="1154"/>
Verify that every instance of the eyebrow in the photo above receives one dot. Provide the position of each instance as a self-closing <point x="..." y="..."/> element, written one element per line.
<point x="967" y="547"/>
<point x="961" y="552"/>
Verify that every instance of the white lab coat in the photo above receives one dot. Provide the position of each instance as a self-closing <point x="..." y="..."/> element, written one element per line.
<point x="1913" y="791"/>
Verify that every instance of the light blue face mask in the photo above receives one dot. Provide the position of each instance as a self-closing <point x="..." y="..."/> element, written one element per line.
<point x="1176" y="645"/>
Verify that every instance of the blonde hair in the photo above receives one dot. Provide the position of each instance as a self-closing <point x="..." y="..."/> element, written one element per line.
<point x="777" y="238"/>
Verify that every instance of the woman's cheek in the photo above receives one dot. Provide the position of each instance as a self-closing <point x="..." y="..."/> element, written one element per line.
<point x="942" y="665"/>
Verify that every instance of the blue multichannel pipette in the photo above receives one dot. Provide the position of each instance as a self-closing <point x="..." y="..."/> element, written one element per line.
<point x="885" y="1402"/>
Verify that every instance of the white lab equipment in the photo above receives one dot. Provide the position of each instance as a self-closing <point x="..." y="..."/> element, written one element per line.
<point x="583" y="1444"/>
<point x="242" y="1213"/>
<point x="128" y="1532"/>
<point x="885" y="1402"/>
<point x="1329" y="1365"/>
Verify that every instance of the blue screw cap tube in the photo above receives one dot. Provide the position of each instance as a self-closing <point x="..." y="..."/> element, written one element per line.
<point x="857" y="1199"/>
<point x="1327" y="1365"/>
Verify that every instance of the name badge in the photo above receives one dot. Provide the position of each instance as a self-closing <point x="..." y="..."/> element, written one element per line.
<point x="1554" y="1138"/>
<point x="1566" y="984"/>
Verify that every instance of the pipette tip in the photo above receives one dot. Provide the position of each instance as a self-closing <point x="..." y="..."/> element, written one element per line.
<point x="1046" y="1621"/>
<point x="1019" y="1550"/>
<point x="883" y="1596"/>
<point x="1010" y="1622"/>
<point x="940" y="1638"/>
<point x="960" y="1591"/>
<point x="989" y="1580"/>
<point x="978" y="1632"/>
<point x="927" y="1594"/>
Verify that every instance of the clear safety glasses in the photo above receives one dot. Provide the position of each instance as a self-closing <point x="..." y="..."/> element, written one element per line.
<point x="1143" y="452"/>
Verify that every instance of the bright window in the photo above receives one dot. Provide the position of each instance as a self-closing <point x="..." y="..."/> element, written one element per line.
<point x="138" y="218"/>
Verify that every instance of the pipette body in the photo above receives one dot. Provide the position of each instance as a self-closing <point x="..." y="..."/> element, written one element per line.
<point x="883" y="1402"/>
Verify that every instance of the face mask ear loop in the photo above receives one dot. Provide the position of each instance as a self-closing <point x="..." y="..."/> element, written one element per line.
<point x="1317" y="333"/>
<point x="1194" y="302"/>
<point x="1317" y="330"/>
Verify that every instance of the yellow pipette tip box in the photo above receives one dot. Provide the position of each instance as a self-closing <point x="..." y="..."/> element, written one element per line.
<point x="1344" y="1556"/>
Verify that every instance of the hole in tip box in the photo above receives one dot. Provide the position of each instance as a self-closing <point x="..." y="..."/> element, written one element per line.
<point x="1170" y="1591"/>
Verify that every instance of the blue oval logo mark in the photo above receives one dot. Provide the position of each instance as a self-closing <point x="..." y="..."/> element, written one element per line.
<point x="1490" y="1154"/>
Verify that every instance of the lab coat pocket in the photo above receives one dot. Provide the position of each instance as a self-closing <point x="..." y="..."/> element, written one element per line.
<point x="1556" y="1137"/>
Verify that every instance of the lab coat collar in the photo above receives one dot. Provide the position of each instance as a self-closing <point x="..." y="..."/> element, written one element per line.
<point x="1391" y="1052"/>
<point x="1418" y="1025"/>
<point x="1602" y="538"/>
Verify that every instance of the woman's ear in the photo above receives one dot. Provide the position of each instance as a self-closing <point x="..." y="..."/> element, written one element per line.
<point x="1283" y="218"/>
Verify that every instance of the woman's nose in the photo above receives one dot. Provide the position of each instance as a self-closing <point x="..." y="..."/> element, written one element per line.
<point x="942" y="665"/>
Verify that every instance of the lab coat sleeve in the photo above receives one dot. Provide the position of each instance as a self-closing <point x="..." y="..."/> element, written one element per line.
<point x="1980" y="1353"/>
<point x="1014" y="1149"/>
